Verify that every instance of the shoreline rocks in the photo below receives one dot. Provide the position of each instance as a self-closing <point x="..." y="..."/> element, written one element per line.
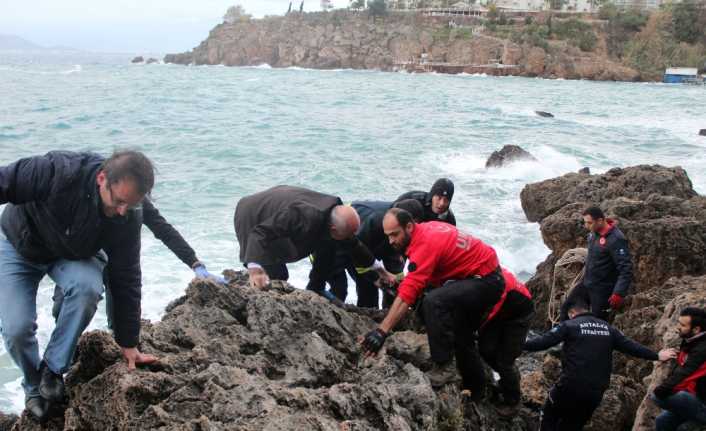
<point x="506" y="155"/>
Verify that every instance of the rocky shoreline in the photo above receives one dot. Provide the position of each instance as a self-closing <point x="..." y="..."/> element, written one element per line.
<point x="351" y="40"/>
<point x="282" y="359"/>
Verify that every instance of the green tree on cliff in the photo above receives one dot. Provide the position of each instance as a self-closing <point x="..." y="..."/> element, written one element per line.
<point x="377" y="8"/>
<point x="235" y="14"/>
<point x="685" y="21"/>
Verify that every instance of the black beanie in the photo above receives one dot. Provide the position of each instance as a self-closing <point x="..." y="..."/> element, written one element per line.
<point x="443" y="187"/>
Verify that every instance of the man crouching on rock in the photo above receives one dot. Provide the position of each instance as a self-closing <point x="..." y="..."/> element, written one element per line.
<point x="468" y="283"/>
<point x="68" y="216"/>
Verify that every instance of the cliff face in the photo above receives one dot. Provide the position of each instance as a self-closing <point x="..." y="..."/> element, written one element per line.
<point x="353" y="40"/>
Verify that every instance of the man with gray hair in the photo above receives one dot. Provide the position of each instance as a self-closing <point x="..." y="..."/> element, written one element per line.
<point x="285" y="224"/>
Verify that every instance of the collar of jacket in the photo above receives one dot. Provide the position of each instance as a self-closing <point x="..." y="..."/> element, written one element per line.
<point x="696" y="337"/>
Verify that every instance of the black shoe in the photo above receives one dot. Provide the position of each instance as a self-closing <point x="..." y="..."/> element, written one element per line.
<point x="38" y="407"/>
<point x="441" y="375"/>
<point x="51" y="387"/>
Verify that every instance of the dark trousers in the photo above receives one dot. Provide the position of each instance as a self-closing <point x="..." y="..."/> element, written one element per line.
<point x="368" y="293"/>
<point x="277" y="271"/>
<point x="500" y="343"/>
<point x="678" y="409"/>
<point x="452" y="314"/>
<point x="569" y="409"/>
<point x="596" y="298"/>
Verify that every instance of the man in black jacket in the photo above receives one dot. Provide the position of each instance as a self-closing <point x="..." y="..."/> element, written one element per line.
<point x="285" y="224"/>
<point x="372" y="235"/>
<point x="436" y="202"/>
<point x="586" y="365"/>
<point x="69" y="214"/>
<point x="683" y="393"/>
<point x="170" y="237"/>
<point x="608" y="269"/>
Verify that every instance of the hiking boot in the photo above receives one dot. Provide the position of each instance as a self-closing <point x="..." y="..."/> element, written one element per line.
<point x="38" y="407"/>
<point x="51" y="387"/>
<point x="441" y="375"/>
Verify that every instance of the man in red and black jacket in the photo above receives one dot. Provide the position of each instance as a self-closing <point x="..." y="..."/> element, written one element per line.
<point x="682" y="395"/>
<point x="467" y="283"/>
<point x="608" y="269"/>
<point x="502" y="336"/>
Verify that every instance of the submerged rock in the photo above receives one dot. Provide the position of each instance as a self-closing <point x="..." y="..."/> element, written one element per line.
<point x="152" y="60"/>
<point x="544" y="114"/>
<point x="232" y="357"/>
<point x="702" y="132"/>
<point x="506" y="155"/>
<point x="138" y="59"/>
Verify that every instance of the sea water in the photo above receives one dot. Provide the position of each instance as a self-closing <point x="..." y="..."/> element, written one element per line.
<point x="219" y="133"/>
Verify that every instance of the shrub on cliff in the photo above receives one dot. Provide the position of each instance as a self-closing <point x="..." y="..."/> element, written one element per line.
<point x="534" y="35"/>
<point x="577" y="33"/>
<point x="621" y="26"/>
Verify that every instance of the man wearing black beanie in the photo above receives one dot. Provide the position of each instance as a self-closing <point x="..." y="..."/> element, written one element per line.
<point x="436" y="202"/>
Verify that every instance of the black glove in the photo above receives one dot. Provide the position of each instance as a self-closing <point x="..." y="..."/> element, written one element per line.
<point x="374" y="340"/>
<point x="661" y="392"/>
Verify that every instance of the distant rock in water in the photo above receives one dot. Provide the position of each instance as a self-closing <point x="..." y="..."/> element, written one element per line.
<point x="544" y="114"/>
<point x="508" y="154"/>
<point x="152" y="60"/>
<point x="233" y="357"/>
<point x="702" y="132"/>
<point x="585" y="170"/>
<point x="138" y="59"/>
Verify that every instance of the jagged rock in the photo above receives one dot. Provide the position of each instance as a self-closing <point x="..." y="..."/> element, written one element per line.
<point x="664" y="221"/>
<point x="544" y="114"/>
<point x="586" y="170"/>
<point x="7" y="421"/>
<point x="138" y="59"/>
<point x="507" y="155"/>
<point x="232" y="357"/>
<point x="702" y="132"/>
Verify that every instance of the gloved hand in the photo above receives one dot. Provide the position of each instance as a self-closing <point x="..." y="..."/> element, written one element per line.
<point x="333" y="298"/>
<point x="200" y="271"/>
<point x="615" y="301"/>
<point x="373" y="341"/>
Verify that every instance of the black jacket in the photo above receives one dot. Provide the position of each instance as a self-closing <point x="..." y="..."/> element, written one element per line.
<point x="371" y="232"/>
<point x="285" y="224"/>
<point x="693" y="354"/>
<point x="608" y="263"/>
<point x="587" y="358"/>
<point x="54" y="212"/>
<point x="166" y="233"/>
<point x="424" y="198"/>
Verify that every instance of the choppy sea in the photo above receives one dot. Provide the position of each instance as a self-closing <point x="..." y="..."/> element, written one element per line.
<point x="218" y="133"/>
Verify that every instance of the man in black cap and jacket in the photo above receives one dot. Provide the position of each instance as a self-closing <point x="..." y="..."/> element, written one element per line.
<point x="285" y="224"/>
<point x="586" y="366"/>
<point x="436" y="202"/>
<point x="68" y="215"/>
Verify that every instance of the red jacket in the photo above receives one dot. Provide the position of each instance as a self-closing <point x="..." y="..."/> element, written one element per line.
<point x="439" y="252"/>
<point x="511" y="284"/>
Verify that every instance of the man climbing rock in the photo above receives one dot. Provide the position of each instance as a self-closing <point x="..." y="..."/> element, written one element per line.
<point x="682" y="396"/>
<point x="467" y="283"/>
<point x="586" y="365"/>
<point x="608" y="268"/>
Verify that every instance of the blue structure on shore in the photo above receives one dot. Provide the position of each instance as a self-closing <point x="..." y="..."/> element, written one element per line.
<point x="679" y="75"/>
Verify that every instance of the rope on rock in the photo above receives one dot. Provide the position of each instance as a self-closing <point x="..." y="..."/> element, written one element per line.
<point x="572" y="256"/>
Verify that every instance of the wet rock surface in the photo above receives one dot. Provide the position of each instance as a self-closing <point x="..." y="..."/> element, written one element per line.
<point x="506" y="155"/>
<point x="236" y="358"/>
<point x="7" y="421"/>
<point x="664" y="220"/>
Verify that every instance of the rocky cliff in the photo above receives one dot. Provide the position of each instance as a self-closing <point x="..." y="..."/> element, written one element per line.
<point x="353" y="40"/>
<point x="665" y="222"/>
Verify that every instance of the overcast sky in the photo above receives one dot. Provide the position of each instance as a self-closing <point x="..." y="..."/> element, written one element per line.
<point x="158" y="26"/>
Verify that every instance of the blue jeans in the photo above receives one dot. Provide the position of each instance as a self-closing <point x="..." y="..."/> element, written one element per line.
<point x="82" y="283"/>
<point x="678" y="409"/>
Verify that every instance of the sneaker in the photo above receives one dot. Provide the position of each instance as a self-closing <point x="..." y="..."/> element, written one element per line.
<point x="38" y="407"/>
<point x="51" y="386"/>
<point x="441" y="375"/>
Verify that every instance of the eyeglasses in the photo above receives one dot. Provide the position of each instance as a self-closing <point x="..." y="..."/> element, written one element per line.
<point x="119" y="203"/>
